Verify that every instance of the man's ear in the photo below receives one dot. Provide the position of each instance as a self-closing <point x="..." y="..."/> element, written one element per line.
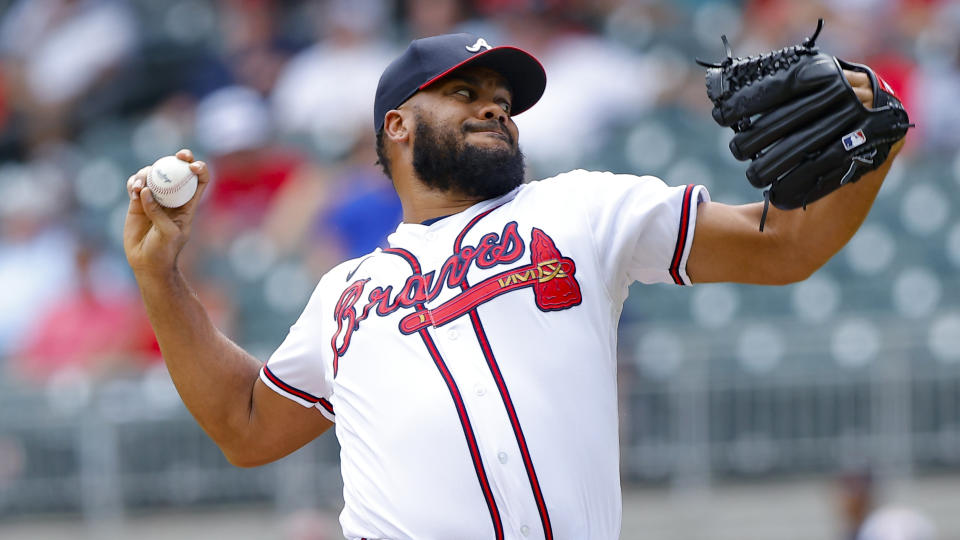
<point x="397" y="126"/>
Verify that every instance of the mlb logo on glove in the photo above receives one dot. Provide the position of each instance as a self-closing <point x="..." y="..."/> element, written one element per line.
<point x="853" y="140"/>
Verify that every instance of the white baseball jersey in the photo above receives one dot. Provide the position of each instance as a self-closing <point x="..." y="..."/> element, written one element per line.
<point x="471" y="366"/>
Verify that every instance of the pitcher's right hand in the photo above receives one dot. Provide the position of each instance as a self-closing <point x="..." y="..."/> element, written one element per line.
<point x="153" y="235"/>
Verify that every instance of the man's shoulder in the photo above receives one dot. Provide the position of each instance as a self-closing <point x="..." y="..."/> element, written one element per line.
<point x="581" y="175"/>
<point x="338" y="278"/>
<point x="346" y="270"/>
<point x="572" y="176"/>
<point x="335" y="282"/>
<point x="583" y="183"/>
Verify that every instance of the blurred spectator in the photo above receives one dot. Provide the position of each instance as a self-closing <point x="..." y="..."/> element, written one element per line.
<point x="893" y="523"/>
<point x="514" y="7"/>
<point x="57" y="52"/>
<point x="864" y="519"/>
<point x="99" y="327"/>
<point x="4" y="105"/>
<point x="326" y="91"/>
<point x="938" y="79"/>
<point x="307" y="525"/>
<point x="363" y="207"/>
<point x="771" y="24"/>
<point x="856" y="500"/>
<point x="258" y="184"/>
<point x="433" y="17"/>
<point x="36" y="250"/>
<point x="591" y="82"/>
<point x="252" y="48"/>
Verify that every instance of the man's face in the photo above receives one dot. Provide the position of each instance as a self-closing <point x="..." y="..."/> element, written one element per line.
<point x="465" y="141"/>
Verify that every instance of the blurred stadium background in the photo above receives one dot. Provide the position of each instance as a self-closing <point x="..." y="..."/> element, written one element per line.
<point x="747" y="412"/>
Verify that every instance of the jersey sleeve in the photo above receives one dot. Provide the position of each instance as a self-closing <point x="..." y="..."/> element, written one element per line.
<point x="301" y="368"/>
<point x="642" y="228"/>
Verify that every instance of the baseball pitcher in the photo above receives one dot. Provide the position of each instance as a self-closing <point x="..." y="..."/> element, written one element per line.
<point x="469" y="367"/>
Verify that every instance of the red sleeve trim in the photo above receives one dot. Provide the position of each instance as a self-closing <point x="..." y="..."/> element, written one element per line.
<point x="293" y="390"/>
<point x="685" y="212"/>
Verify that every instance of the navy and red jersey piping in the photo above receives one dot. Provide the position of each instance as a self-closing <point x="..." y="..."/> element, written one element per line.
<point x="685" y="212"/>
<point x="302" y="394"/>
<point x="457" y="397"/>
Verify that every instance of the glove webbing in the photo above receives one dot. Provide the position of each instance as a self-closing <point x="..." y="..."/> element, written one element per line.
<point x="740" y="72"/>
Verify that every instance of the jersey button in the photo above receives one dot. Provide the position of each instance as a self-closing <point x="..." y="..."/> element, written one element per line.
<point x="524" y="530"/>
<point x="502" y="457"/>
<point x="479" y="390"/>
<point x="452" y="334"/>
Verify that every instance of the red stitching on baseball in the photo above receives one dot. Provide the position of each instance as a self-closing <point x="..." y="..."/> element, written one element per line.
<point x="167" y="190"/>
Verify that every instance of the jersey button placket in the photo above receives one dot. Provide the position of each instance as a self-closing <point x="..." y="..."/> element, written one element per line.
<point x="490" y="421"/>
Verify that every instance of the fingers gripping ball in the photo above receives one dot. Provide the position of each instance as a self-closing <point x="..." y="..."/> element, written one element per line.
<point x="172" y="182"/>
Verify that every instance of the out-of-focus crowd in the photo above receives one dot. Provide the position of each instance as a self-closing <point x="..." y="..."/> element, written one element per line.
<point x="277" y="97"/>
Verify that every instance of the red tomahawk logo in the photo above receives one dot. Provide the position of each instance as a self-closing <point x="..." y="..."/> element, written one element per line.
<point x="550" y="274"/>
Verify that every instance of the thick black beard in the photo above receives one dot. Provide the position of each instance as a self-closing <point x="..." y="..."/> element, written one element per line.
<point x="444" y="164"/>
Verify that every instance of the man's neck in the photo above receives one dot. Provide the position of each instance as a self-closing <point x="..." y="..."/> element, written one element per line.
<point x="424" y="204"/>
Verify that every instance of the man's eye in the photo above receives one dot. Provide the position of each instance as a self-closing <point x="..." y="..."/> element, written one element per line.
<point x="505" y="106"/>
<point x="465" y="93"/>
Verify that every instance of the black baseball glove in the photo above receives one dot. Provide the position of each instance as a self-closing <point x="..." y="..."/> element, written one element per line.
<point x="797" y="118"/>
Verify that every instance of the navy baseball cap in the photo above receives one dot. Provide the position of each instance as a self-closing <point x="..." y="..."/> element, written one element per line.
<point x="430" y="59"/>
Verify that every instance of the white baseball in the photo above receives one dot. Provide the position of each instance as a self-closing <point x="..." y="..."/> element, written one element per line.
<point x="172" y="182"/>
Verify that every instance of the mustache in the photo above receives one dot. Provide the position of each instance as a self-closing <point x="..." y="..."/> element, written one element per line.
<point x="490" y="125"/>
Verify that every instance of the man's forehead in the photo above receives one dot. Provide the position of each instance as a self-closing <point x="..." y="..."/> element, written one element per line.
<point x="478" y="75"/>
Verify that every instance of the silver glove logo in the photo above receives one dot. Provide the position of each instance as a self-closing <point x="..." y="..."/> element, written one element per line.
<point x="480" y="44"/>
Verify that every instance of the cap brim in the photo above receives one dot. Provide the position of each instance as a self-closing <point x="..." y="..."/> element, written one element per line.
<point x="524" y="74"/>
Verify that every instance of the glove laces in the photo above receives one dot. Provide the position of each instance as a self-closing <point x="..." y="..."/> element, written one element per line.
<point x="742" y="72"/>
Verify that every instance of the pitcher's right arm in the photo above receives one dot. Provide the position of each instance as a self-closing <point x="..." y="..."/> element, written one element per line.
<point x="218" y="381"/>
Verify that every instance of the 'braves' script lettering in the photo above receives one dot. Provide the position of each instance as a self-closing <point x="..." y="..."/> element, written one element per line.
<point x="493" y="249"/>
<point x="549" y="274"/>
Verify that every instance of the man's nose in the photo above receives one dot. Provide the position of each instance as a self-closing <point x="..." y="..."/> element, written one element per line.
<point x="492" y="110"/>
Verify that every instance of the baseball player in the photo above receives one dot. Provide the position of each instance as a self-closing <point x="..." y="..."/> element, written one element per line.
<point x="470" y="366"/>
